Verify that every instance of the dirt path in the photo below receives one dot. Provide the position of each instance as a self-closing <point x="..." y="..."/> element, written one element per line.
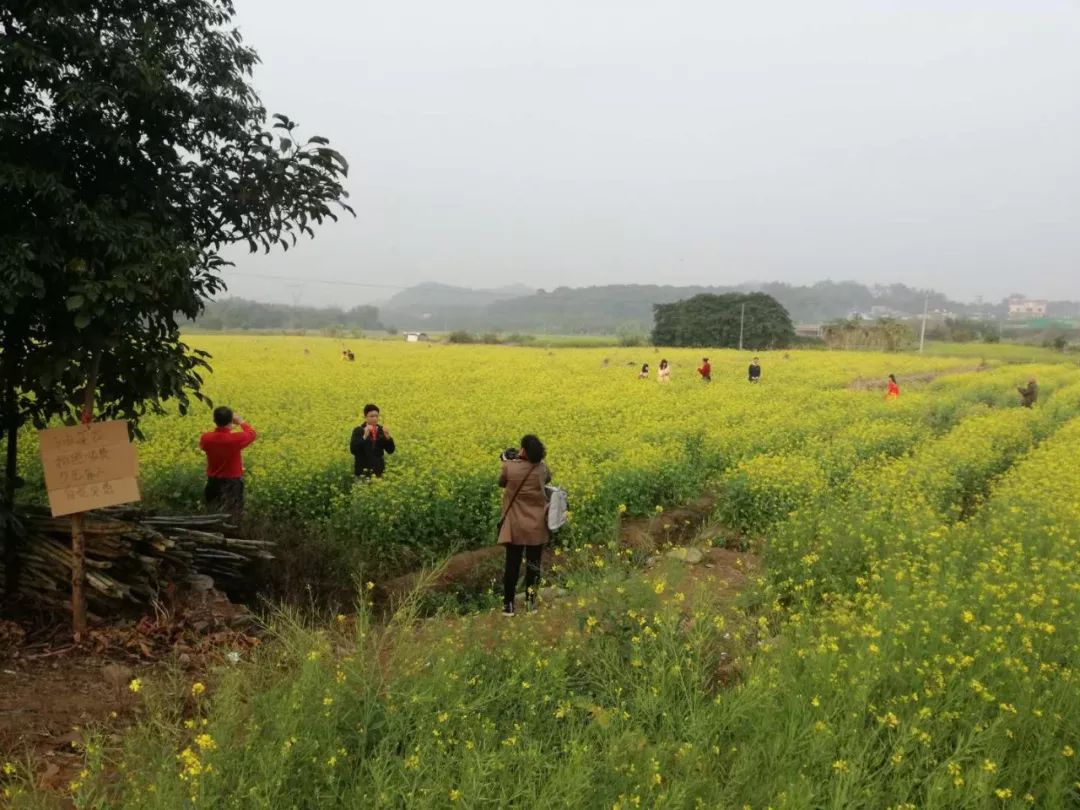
<point x="874" y="383"/>
<point x="479" y="568"/>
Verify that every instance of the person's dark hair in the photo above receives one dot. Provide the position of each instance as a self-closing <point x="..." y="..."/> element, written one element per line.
<point x="223" y="416"/>
<point x="663" y="364"/>
<point x="892" y="377"/>
<point x="645" y="367"/>
<point x="534" y="448"/>
<point x="370" y="407"/>
<point x="704" y="359"/>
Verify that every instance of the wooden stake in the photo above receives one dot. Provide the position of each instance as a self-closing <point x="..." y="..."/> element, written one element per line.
<point x="78" y="577"/>
<point x="78" y="536"/>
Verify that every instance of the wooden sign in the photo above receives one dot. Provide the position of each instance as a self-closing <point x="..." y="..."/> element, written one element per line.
<point x="89" y="466"/>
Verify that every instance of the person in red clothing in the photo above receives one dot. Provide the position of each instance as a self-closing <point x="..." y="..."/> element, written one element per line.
<point x="706" y="370"/>
<point x="224" y="468"/>
<point x="894" y="389"/>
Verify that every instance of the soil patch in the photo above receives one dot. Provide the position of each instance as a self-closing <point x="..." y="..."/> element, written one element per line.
<point x="46" y="700"/>
<point x="51" y="689"/>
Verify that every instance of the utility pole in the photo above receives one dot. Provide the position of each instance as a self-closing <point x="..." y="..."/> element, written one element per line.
<point x="742" y="320"/>
<point x="922" y="334"/>
<point x="296" y="290"/>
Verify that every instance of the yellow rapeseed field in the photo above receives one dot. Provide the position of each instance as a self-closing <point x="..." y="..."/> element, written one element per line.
<point x="910" y="639"/>
<point x="613" y="440"/>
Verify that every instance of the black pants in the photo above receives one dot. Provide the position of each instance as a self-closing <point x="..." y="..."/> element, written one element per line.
<point x="513" y="568"/>
<point x="226" y="495"/>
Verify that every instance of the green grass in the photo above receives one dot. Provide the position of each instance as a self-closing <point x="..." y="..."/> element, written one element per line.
<point x="1000" y="352"/>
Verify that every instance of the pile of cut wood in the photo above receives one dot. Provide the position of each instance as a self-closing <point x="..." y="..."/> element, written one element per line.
<point x="135" y="558"/>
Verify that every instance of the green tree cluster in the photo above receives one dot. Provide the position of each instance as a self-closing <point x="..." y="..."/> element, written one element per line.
<point x="240" y="313"/>
<point x="752" y="320"/>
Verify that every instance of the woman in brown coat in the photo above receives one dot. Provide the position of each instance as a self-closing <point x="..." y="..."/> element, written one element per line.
<point x="523" y="525"/>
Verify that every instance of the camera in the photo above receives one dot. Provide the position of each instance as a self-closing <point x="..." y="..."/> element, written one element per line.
<point x="509" y="454"/>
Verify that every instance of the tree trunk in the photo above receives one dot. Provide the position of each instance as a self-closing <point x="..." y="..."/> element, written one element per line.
<point x="10" y="429"/>
<point x="7" y="508"/>
<point x="78" y="538"/>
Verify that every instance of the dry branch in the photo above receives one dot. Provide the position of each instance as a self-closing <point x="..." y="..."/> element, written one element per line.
<point x="134" y="559"/>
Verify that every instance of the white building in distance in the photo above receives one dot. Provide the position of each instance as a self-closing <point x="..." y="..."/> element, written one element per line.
<point x="1027" y="307"/>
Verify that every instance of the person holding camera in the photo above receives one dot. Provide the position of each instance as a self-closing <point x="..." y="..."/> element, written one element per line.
<point x="1029" y="393"/>
<point x="523" y="525"/>
<point x="224" y="467"/>
<point x="369" y="442"/>
<point x="754" y="371"/>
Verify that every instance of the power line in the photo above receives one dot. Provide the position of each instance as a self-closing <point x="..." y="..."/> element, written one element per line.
<point x="314" y="281"/>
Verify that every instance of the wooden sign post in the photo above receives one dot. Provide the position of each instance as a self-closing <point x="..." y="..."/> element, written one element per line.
<point x="86" y="467"/>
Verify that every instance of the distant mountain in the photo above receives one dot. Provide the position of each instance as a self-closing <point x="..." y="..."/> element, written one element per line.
<point x="590" y="310"/>
<point x="431" y="296"/>
<point x="606" y="309"/>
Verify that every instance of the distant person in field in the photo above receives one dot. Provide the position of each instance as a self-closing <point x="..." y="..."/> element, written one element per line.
<point x="663" y="374"/>
<point x="706" y="370"/>
<point x="1029" y="393"/>
<point x="644" y="373"/>
<point x="349" y="355"/>
<point x="523" y="527"/>
<point x="224" y="467"/>
<point x="369" y="444"/>
<point x="893" y="390"/>
<point x="754" y="371"/>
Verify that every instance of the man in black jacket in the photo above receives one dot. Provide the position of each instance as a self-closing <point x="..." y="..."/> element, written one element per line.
<point x="368" y="444"/>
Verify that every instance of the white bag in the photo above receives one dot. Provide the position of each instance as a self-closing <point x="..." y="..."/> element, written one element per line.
<point x="558" y="506"/>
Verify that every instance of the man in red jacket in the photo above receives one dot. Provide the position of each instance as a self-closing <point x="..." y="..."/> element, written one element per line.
<point x="224" y="468"/>
<point x="706" y="370"/>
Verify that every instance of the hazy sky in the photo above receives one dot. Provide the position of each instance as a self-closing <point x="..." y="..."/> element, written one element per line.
<point x="572" y="142"/>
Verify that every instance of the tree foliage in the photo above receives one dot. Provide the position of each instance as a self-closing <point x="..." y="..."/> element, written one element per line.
<point x="133" y="149"/>
<point x="886" y="334"/>
<point x="963" y="330"/>
<point x="714" y="320"/>
<point x="240" y="313"/>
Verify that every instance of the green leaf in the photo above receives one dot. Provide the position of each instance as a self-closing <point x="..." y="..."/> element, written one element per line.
<point x="74" y="302"/>
<point x="82" y="320"/>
